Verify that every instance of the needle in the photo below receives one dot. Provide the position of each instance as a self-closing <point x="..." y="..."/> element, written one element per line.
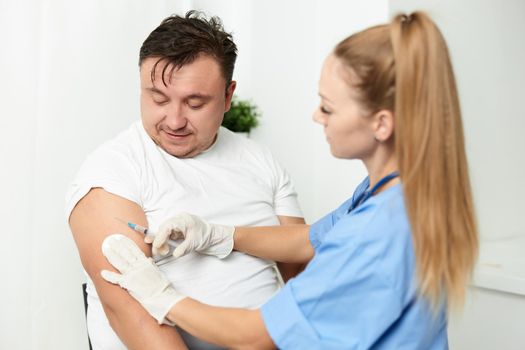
<point x="144" y="230"/>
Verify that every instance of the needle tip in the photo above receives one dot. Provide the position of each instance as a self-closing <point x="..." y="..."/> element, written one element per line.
<point x="118" y="219"/>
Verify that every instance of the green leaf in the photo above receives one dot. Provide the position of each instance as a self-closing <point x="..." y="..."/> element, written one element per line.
<point x="242" y="116"/>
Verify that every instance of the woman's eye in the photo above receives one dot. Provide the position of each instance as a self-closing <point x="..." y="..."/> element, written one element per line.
<point x="324" y="110"/>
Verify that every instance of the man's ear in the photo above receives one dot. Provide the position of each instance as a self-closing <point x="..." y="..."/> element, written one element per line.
<point x="229" y="95"/>
<point x="383" y="125"/>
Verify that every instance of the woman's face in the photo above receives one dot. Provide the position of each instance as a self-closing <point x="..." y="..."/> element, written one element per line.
<point x="347" y="128"/>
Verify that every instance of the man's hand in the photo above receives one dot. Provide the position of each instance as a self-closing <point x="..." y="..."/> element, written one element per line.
<point x="196" y="235"/>
<point x="140" y="276"/>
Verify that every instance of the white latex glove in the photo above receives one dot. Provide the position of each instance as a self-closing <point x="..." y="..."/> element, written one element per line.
<point x="197" y="236"/>
<point x="140" y="276"/>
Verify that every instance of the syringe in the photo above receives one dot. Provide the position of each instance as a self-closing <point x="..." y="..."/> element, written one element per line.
<point x="137" y="228"/>
<point x="144" y="230"/>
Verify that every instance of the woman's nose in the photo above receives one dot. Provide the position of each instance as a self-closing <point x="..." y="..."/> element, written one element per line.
<point x="319" y="117"/>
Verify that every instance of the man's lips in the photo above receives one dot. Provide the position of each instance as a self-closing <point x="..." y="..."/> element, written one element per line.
<point x="176" y="135"/>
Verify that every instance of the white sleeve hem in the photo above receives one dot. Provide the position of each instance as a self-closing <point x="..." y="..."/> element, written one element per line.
<point x="82" y="190"/>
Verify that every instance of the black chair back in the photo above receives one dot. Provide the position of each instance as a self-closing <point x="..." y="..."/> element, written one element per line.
<point x="84" y="293"/>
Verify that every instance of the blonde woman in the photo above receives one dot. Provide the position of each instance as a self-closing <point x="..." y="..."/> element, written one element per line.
<point x="385" y="267"/>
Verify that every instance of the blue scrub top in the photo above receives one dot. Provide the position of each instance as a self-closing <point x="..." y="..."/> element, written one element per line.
<point x="359" y="290"/>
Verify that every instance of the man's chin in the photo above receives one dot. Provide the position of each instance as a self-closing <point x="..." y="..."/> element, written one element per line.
<point x="180" y="151"/>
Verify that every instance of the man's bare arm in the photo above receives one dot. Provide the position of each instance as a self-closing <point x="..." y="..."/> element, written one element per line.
<point x="92" y="220"/>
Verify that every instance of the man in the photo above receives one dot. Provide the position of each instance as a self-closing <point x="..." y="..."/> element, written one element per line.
<point x="179" y="159"/>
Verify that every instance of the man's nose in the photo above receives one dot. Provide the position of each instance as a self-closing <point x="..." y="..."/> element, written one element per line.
<point x="175" y="118"/>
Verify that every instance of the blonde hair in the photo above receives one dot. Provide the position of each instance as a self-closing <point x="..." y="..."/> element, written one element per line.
<point x="405" y="67"/>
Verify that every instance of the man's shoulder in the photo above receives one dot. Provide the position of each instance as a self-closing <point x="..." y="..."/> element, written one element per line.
<point x="240" y="144"/>
<point x="114" y="166"/>
<point x="126" y="142"/>
<point x="123" y="153"/>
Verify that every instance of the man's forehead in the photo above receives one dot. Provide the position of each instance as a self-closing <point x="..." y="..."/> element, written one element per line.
<point x="181" y="87"/>
<point x="161" y="68"/>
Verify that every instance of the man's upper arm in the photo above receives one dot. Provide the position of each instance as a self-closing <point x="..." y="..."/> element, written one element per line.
<point x="91" y="221"/>
<point x="94" y="218"/>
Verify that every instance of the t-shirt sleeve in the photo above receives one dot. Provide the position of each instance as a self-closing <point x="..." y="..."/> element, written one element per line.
<point x="341" y="300"/>
<point x="109" y="167"/>
<point x="285" y="196"/>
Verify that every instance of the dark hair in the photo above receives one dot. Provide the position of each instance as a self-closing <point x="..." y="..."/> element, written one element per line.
<point x="178" y="41"/>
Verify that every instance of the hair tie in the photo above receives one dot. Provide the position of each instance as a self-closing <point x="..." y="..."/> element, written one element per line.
<point x="406" y="19"/>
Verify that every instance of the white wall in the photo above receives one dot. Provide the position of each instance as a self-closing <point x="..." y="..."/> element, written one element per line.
<point x="70" y="81"/>
<point x="18" y="94"/>
<point x="490" y="320"/>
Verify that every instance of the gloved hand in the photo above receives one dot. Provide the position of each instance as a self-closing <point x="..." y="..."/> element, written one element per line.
<point x="196" y="235"/>
<point x="140" y="276"/>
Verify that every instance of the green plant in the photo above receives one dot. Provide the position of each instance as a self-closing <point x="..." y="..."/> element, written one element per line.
<point x="242" y="116"/>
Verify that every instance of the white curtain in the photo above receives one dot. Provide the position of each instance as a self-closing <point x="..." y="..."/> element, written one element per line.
<point x="69" y="81"/>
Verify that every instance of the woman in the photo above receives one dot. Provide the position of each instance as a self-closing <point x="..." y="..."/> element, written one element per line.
<point x="387" y="265"/>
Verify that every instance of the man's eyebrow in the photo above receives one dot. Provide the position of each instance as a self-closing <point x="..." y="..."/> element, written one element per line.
<point x="198" y="97"/>
<point x="155" y="90"/>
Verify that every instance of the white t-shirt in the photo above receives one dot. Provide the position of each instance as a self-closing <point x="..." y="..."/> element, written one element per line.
<point x="234" y="182"/>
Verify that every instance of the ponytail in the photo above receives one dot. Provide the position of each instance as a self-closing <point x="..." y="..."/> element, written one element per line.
<point x="431" y="157"/>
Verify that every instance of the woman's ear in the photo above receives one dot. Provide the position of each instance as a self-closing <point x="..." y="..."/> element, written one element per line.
<point x="383" y="125"/>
